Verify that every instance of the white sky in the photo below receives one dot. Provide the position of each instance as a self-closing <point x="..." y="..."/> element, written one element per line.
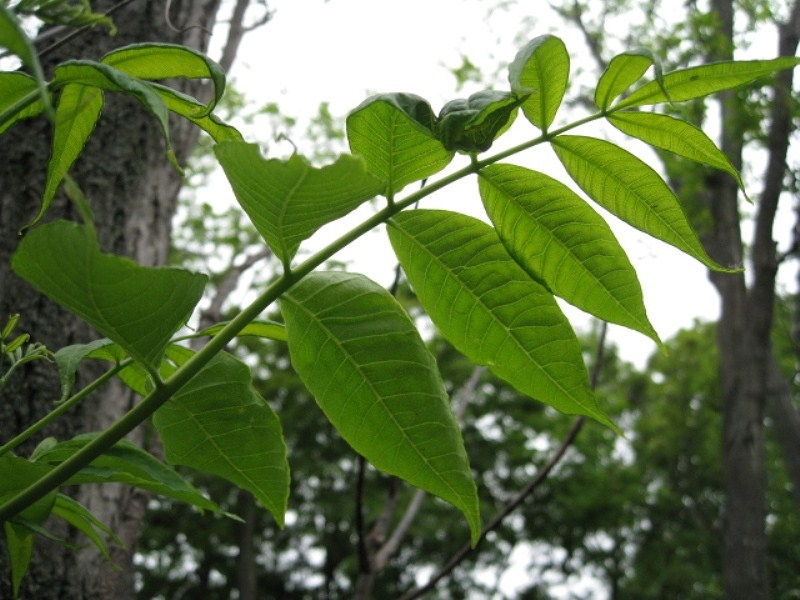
<point x="342" y="51"/>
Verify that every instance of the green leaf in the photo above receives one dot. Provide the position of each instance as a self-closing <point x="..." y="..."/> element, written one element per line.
<point x="696" y="82"/>
<point x="217" y="423"/>
<point x="104" y="77"/>
<point x="263" y="329"/>
<point x="490" y="309"/>
<point x="361" y="357"/>
<point x="540" y="71"/>
<point x="19" y="543"/>
<point x="15" y="88"/>
<point x="559" y="240"/>
<point x="631" y="190"/>
<point x="126" y="463"/>
<point x="69" y="358"/>
<point x="137" y="307"/>
<point x="78" y="110"/>
<point x="167" y="61"/>
<point x="676" y="136"/>
<point x="623" y="71"/>
<point x="289" y="200"/>
<point x="472" y="124"/>
<point x="394" y="133"/>
<point x="14" y="39"/>
<point x="84" y="521"/>
<point x="193" y="110"/>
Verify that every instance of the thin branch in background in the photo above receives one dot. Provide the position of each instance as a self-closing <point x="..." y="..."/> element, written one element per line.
<point x="180" y="30"/>
<point x="237" y="29"/>
<point x="363" y="555"/>
<point x="540" y="476"/>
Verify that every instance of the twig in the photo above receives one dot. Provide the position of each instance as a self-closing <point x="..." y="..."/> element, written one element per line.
<point x="540" y="476"/>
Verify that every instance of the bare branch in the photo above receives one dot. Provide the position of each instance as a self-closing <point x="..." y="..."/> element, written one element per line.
<point x="237" y="30"/>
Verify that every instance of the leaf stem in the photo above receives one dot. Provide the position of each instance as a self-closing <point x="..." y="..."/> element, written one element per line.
<point x="192" y="367"/>
<point x="62" y="408"/>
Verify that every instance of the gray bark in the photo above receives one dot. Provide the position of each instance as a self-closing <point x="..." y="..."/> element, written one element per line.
<point x="133" y="191"/>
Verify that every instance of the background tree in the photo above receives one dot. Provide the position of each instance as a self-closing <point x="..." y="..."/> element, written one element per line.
<point x="132" y="190"/>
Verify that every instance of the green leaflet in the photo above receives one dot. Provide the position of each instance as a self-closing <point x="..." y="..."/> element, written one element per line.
<point x="217" y="423"/>
<point x="631" y="190"/>
<point x="126" y="463"/>
<point x="394" y="133"/>
<point x="696" y="82"/>
<point x="361" y="357"/>
<point x="104" y="77"/>
<point x="558" y="239"/>
<point x="69" y="358"/>
<point x="16" y="90"/>
<point x="77" y="113"/>
<point x="16" y="474"/>
<point x="540" y="71"/>
<point x="490" y="309"/>
<point x="623" y="71"/>
<point x="675" y="135"/>
<point x="289" y="200"/>
<point x="84" y="521"/>
<point x="166" y="61"/>
<point x="137" y="307"/>
<point x="473" y="124"/>
<point x="264" y="329"/>
<point x="193" y="110"/>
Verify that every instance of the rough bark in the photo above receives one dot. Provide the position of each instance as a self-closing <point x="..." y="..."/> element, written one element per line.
<point x="133" y="191"/>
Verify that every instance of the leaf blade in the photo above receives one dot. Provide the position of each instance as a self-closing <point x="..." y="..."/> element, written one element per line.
<point x="540" y="71"/>
<point x="289" y="200"/>
<point x="137" y="307"/>
<point x="378" y="384"/>
<point x="631" y="190"/>
<point x="217" y="423"/>
<point x="490" y="309"/>
<point x="624" y="70"/>
<point x="558" y="239"/>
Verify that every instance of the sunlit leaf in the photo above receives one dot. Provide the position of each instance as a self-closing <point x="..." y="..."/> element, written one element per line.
<point x="288" y="200"/>
<point x="361" y="357"/>
<point x="623" y="71"/>
<point x="77" y="113"/>
<point x="558" y="239"/>
<point x="137" y="307"/>
<point x="631" y="190"/>
<point x="696" y="82"/>
<point x="394" y="133"/>
<point x="167" y="61"/>
<point x="472" y="124"/>
<point x="540" y="71"/>
<point x="490" y="309"/>
<point x="675" y="135"/>
<point x="218" y="423"/>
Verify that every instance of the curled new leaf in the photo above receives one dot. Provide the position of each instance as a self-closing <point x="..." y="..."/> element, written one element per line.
<point x="540" y="72"/>
<point x="394" y="133"/>
<point x="377" y="383"/>
<point x="472" y="124"/>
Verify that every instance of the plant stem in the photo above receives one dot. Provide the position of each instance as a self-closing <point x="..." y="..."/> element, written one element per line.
<point x="62" y="408"/>
<point x="192" y="367"/>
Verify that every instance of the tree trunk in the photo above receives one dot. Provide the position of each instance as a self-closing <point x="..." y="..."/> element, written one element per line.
<point x="132" y="190"/>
